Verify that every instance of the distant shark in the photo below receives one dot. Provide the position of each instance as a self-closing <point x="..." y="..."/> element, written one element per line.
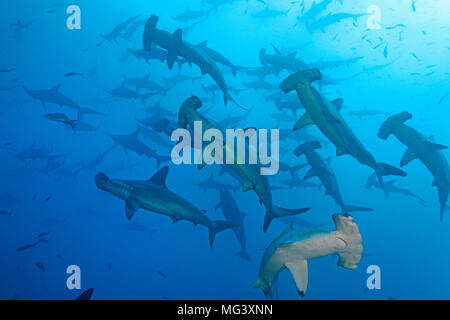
<point x="213" y="184"/>
<point x="322" y="169"/>
<point x="331" y="19"/>
<point x="390" y="187"/>
<point x="249" y="175"/>
<point x="177" y="47"/>
<point x="419" y="147"/>
<point x="117" y="31"/>
<point x="124" y="93"/>
<point x="281" y="62"/>
<point x="154" y="196"/>
<point x="293" y="248"/>
<point x="132" y="142"/>
<point x="325" y="115"/>
<point x="219" y="58"/>
<point x="52" y="95"/>
<point x="236" y="218"/>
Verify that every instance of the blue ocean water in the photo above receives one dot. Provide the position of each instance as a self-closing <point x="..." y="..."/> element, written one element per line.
<point x="400" y="63"/>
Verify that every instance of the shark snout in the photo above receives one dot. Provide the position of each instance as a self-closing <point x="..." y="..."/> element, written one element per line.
<point x="101" y="180"/>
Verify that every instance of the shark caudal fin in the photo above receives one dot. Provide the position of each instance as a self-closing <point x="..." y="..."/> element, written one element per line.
<point x="278" y="212"/>
<point x="216" y="227"/>
<point x="384" y="169"/>
<point x="352" y="208"/>
<point x="244" y="255"/>
<point x="227" y="97"/>
<point x="270" y="291"/>
<point x="347" y="229"/>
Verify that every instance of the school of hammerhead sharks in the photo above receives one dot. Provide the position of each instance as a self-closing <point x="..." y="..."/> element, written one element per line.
<point x="293" y="247"/>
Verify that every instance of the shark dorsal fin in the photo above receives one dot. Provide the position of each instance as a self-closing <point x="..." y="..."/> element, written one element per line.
<point x="160" y="177"/>
<point x="203" y="43"/>
<point x="338" y="103"/>
<point x="178" y="35"/>
<point x="276" y="50"/>
<point x="56" y="88"/>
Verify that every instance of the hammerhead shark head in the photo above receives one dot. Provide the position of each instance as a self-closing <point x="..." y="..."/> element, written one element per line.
<point x="249" y="175"/>
<point x="293" y="248"/>
<point x="323" y="170"/>
<point x="419" y="147"/>
<point x="177" y="47"/>
<point x="154" y="196"/>
<point x="325" y="115"/>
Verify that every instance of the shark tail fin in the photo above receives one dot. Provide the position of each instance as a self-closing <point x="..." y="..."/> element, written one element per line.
<point x="216" y="227"/>
<point x="227" y="97"/>
<point x="352" y="208"/>
<point x="384" y="169"/>
<point x="278" y="212"/>
<point x="244" y="255"/>
<point x="270" y="291"/>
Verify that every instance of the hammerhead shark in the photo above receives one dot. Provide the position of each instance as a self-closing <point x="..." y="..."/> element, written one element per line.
<point x="323" y="170"/>
<point x="249" y="175"/>
<point x="420" y="147"/>
<point x="293" y="248"/>
<point x="154" y="196"/>
<point x="325" y="115"/>
<point x="390" y="187"/>
<point x="219" y="58"/>
<point x="133" y="143"/>
<point x="52" y="95"/>
<point x="177" y="47"/>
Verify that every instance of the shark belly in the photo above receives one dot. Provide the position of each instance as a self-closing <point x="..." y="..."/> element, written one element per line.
<point x="314" y="106"/>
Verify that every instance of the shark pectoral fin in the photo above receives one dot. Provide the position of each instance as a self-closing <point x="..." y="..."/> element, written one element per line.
<point x="304" y="121"/>
<point x="160" y="177"/>
<point x="246" y="186"/>
<point x="299" y="272"/>
<point x="171" y="58"/>
<point x="131" y="207"/>
<point x="341" y="151"/>
<point x="338" y="103"/>
<point x="309" y="174"/>
<point x="331" y="117"/>
<point x="409" y="156"/>
<point x="435" y="146"/>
